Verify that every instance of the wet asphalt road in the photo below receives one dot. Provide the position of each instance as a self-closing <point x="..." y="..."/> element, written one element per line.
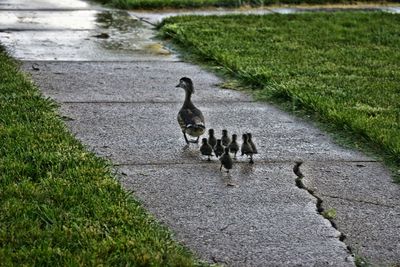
<point x="116" y="84"/>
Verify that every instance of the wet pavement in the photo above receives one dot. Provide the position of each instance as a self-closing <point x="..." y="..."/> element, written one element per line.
<point x="78" y="34"/>
<point x="116" y="88"/>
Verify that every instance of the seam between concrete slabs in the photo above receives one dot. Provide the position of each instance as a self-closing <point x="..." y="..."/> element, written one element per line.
<point x="239" y="162"/>
<point x="151" y="102"/>
<point x="133" y="60"/>
<point x="358" y="200"/>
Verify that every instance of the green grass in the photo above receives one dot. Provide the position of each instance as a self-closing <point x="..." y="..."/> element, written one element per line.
<point x="159" y="4"/>
<point x="344" y="68"/>
<point x="59" y="204"/>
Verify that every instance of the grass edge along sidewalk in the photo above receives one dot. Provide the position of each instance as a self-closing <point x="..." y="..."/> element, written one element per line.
<point x="59" y="204"/>
<point x="341" y="67"/>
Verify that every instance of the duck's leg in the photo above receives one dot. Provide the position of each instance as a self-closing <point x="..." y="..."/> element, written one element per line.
<point x="251" y="159"/>
<point x="184" y="135"/>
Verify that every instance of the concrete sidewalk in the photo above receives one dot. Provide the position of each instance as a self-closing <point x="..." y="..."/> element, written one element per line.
<point x="118" y="96"/>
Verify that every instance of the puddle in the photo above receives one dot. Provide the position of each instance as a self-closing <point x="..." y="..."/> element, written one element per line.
<point x="74" y="46"/>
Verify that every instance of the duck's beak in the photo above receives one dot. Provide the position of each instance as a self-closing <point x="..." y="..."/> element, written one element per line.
<point x="179" y="84"/>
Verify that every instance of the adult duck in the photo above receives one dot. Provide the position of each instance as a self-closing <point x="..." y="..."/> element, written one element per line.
<point x="190" y="118"/>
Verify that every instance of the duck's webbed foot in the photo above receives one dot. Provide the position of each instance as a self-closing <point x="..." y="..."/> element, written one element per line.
<point x="251" y="159"/>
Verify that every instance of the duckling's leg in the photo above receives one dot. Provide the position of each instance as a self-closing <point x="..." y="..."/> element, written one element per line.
<point x="208" y="158"/>
<point x="220" y="168"/>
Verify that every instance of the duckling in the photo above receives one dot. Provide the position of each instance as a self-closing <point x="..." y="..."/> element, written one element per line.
<point x="246" y="148"/>
<point x="225" y="138"/>
<point x="211" y="138"/>
<point x="234" y="146"/>
<point x="206" y="148"/>
<point x="218" y="148"/>
<point x="226" y="160"/>
<point x="190" y="118"/>
<point x="253" y="146"/>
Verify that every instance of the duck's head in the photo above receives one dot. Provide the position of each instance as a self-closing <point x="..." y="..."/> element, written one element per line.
<point x="187" y="84"/>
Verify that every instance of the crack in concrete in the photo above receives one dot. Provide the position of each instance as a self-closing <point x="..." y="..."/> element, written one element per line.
<point x="319" y="208"/>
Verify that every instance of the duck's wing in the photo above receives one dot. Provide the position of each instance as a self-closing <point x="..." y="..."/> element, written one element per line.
<point x="190" y="116"/>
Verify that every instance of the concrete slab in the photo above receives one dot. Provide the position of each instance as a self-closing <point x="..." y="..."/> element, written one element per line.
<point x="257" y="219"/>
<point x="48" y="20"/>
<point x="368" y="182"/>
<point x="367" y="205"/>
<point x="79" y="46"/>
<point x="143" y="133"/>
<point x="152" y="81"/>
<point x="45" y="4"/>
<point x="371" y="230"/>
<point x="105" y="35"/>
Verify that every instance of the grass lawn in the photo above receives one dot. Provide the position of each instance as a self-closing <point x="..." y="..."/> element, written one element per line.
<point x="344" y="68"/>
<point x="159" y="4"/>
<point x="59" y="204"/>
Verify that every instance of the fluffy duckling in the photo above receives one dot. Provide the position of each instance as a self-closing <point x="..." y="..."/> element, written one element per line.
<point x="219" y="148"/>
<point x="253" y="146"/>
<point x="211" y="138"/>
<point x="206" y="148"/>
<point x="234" y="146"/>
<point x="190" y="118"/>
<point x="246" y="148"/>
<point x="226" y="160"/>
<point x="225" y="138"/>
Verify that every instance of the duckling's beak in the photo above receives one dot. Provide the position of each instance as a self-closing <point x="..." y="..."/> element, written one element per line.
<point x="179" y="85"/>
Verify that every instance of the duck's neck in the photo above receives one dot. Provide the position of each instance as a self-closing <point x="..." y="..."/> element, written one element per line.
<point x="188" y="101"/>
